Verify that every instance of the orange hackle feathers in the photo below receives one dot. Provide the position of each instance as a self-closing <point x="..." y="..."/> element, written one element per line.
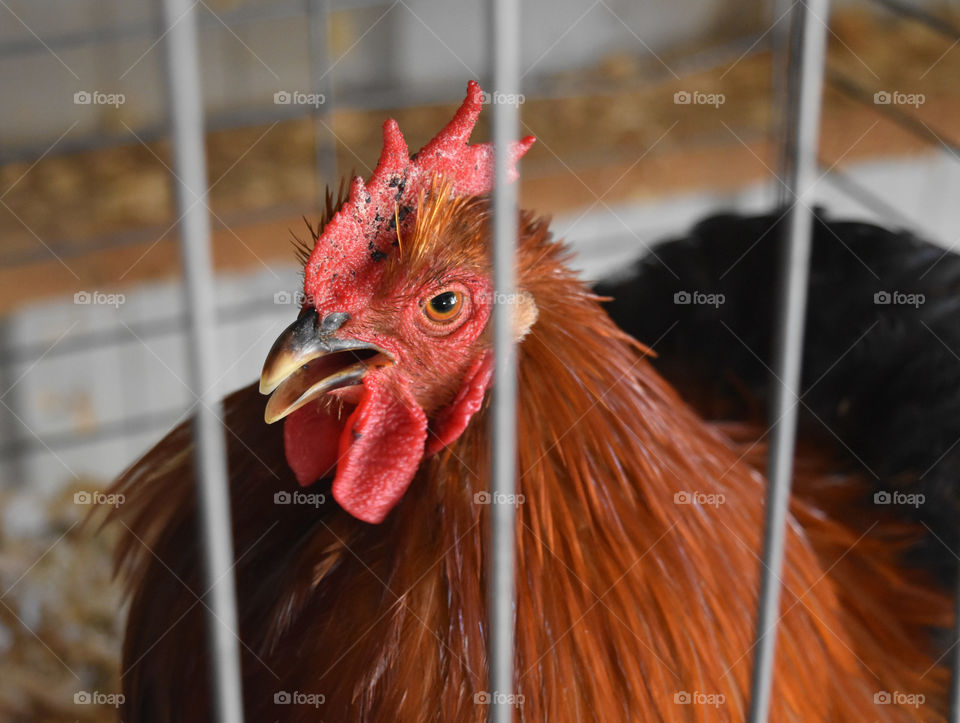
<point x="447" y="234"/>
<point x="638" y="540"/>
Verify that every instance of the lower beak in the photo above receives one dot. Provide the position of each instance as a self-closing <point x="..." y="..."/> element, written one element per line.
<point x="306" y="363"/>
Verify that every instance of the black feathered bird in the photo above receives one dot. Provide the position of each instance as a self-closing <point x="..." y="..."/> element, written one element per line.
<point x="881" y="360"/>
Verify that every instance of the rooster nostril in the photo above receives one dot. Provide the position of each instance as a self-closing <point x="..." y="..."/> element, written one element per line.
<point x="332" y="322"/>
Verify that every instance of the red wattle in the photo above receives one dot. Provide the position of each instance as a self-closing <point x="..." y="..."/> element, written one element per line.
<point x="450" y="423"/>
<point x="380" y="451"/>
<point x="311" y="439"/>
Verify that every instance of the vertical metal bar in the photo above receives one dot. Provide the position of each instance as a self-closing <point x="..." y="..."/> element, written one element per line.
<point x="505" y="51"/>
<point x="13" y="458"/>
<point x="782" y="110"/>
<point x="186" y="106"/>
<point x="324" y="147"/>
<point x="807" y="87"/>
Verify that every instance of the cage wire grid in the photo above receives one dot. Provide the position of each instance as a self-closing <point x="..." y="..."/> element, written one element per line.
<point x="798" y="86"/>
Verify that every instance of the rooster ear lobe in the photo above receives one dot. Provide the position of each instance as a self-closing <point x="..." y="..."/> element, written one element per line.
<point x="524" y="314"/>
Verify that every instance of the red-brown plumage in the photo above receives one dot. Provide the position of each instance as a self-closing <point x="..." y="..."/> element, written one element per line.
<point x="625" y="598"/>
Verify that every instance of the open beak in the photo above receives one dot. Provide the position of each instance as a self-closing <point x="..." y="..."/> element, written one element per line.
<point x="308" y="361"/>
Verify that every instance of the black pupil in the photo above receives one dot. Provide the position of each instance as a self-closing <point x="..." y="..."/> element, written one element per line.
<point x="444" y="303"/>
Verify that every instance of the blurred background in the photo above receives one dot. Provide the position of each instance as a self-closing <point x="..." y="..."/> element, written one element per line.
<point x="648" y="117"/>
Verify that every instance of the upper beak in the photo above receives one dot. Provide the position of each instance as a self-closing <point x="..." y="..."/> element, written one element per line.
<point x="307" y="361"/>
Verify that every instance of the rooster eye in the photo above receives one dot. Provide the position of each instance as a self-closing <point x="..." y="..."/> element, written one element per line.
<point x="444" y="307"/>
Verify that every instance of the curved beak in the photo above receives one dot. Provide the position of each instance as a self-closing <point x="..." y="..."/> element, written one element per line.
<point x="307" y="361"/>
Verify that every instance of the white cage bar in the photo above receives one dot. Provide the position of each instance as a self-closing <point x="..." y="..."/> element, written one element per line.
<point x="805" y="90"/>
<point x="505" y="53"/>
<point x="190" y="181"/>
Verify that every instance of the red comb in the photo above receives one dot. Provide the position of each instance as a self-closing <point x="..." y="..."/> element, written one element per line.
<point x="339" y="273"/>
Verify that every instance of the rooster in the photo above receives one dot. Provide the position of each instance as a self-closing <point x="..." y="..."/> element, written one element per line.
<point x="361" y="595"/>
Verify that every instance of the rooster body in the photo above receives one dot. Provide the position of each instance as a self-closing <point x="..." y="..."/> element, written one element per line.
<point x="638" y="532"/>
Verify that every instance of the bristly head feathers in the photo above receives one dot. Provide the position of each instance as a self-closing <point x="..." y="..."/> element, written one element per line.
<point x="332" y="202"/>
<point x="427" y="246"/>
<point x="343" y="269"/>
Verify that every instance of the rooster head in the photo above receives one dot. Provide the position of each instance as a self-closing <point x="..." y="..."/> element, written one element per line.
<point x="390" y="355"/>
